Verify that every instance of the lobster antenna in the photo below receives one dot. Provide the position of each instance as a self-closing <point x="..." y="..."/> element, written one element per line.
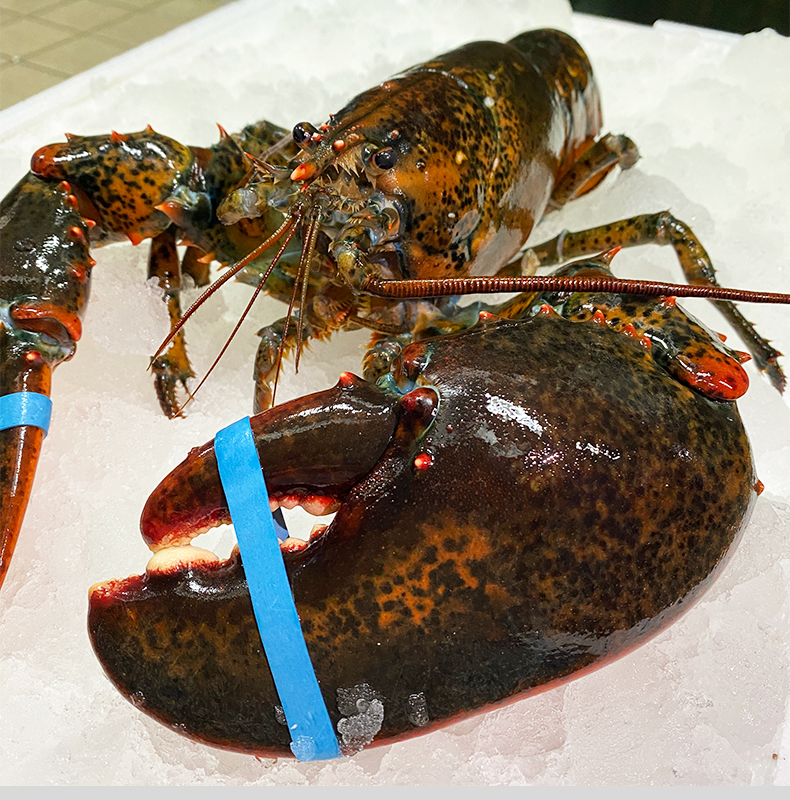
<point x="290" y="222"/>
<point x="301" y="274"/>
<point x="258" y="290"/>
<point x="280" y="144"/>
<point x="312" y="235"/>
<point x="443" y="287"/>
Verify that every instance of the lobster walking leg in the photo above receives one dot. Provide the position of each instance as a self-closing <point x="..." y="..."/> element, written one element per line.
<point x="662" y="229"/>
<point x="592" y="167"/>
<point x="274" y="344"/>
<point x="171" y="367"/>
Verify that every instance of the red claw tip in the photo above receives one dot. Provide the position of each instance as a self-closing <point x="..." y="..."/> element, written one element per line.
<point x="76" y="233"/>
<point x="759" y="487"/>
<point x="303" y="172"/>
<point x="149" y="129"/>
<point x="599" y="318"/>
<point x="65" y="186"/>
<point x="609" y="254"/>
<point x="44" y="162"/>
<point x="547" y="311"/>
<point x="423" y="461"/>
<point x="742" y="356"/>
<point x="33" y="356"/>
<point x="714" y="374"/>
<point x="345" y="380"/>
<point x="670" y="302"/>
<point x="135" y="238"/>
<point x="629" y="330"/>
<point x="486" y="316"/>
<point x="117" y="138"/>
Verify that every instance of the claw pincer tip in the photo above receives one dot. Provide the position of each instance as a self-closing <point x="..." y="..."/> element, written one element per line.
<point x="45" y="162"/>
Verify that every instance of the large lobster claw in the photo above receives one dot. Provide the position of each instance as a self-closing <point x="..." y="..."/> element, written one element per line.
<point x="40" y="322"/>
<point x="525" y="502"/>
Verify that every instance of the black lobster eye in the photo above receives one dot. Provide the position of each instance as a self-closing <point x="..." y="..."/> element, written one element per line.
<point x="303" y="133"/>
<point x="385" y="158"/>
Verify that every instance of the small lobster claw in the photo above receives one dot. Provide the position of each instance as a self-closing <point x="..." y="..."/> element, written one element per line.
<point x="507" y="518"/>
<point x="40" y="323"/>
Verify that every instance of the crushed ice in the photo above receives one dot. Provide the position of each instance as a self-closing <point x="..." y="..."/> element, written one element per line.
<point x="363" y="715"/>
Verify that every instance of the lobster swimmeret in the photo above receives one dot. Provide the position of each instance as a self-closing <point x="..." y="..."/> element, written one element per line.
<point x="441" y="172"/>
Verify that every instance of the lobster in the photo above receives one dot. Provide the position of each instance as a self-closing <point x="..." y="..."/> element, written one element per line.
<point x="327" y="304"/>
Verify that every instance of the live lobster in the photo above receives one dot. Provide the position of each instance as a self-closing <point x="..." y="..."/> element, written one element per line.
<point x="539" y="149"/>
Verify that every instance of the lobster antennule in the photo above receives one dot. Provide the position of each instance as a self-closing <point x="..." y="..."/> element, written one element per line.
<point x="308" y="252"/>
<point x="302" y="275"/>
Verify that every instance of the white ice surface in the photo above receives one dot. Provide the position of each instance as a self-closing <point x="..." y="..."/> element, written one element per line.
<point x="705" y="702"/>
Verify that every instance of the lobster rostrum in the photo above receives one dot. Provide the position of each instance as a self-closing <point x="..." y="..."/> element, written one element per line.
<point x="438" y="174"/>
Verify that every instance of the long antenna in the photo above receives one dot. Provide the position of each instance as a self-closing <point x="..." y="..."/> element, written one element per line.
<point x="443" y="287"/>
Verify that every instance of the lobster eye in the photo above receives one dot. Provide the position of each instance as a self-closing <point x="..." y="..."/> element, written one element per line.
<point x="385" y="158"/>
<point x="303" y="133"/>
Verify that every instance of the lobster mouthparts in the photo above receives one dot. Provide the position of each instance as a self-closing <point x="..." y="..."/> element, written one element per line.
<point x="546" y="499"/>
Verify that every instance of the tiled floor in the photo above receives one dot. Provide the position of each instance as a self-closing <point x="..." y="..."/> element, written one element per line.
<point x="43" y="42"/>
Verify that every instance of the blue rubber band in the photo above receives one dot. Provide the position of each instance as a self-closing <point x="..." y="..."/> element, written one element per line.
<point x="280" y="527"/>
<point x="312" y="735"/>
<point x="25" y="408"/>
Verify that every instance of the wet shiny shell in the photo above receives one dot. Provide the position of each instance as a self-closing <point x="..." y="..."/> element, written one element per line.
<point x="576" y="502"/>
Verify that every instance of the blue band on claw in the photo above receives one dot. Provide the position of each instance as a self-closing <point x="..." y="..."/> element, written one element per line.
<point x="312" y="735"/>
<point x="25" y="408"/>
